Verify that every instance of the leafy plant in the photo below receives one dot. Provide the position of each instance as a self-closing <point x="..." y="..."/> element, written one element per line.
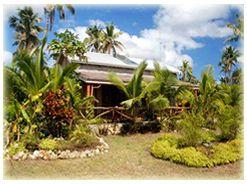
<point x="229" y="121"/>
<point x="81" y="136"/>
<point x="133" y="90"/>
<point x="15" y="148"/>
<point x="57" y="113"/>
<point x="190" y="127"/>
<point x="66" y="45"/>
<point x="30" y="142"/>
<point x="48" y="144"/>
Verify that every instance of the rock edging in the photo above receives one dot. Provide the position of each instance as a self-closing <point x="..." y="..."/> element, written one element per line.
<point x="67" y="154"/>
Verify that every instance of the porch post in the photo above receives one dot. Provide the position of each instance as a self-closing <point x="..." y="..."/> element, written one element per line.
<point x="89" y="90"/>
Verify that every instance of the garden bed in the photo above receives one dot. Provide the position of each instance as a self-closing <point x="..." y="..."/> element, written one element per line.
<point x="52" y="154"/>
<point x="167" y="148"/>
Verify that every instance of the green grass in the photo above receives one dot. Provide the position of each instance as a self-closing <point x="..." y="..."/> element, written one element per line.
<point x="128" y="158"/>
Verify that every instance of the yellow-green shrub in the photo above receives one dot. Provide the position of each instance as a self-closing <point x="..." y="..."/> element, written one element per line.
<point x="166" y="148"/>
<point x="15" y="148"/>
<point x="48" y="144"/>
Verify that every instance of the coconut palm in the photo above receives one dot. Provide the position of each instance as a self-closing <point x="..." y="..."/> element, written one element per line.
<point x="133" y="89"/>
<point x="187" y="74"/>
<point x="166" y="82"/>
<point x="237" y="76"/>
<point x="95" y="39"/>
<point x="26" y="28"/>
<point x="109" y="40"/>
<point x="50" y="12"/>
<point x="209" y="98"/>
<point x="237" y="28"/>
<point x="229" y="59"/>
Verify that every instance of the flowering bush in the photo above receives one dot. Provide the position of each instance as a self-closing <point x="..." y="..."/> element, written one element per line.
<point x="57" y="112"/>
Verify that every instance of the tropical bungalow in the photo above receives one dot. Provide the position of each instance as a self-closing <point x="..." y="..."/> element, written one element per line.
<point x="94" y="75"/>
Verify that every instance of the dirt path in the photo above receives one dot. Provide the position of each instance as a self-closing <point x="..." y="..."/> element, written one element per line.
<point x="127" y="158"/>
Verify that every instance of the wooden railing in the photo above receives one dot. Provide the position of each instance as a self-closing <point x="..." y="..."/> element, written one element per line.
<point x="116" y="114"/>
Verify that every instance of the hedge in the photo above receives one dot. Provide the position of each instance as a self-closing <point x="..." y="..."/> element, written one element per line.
<point x="167" y="148"/>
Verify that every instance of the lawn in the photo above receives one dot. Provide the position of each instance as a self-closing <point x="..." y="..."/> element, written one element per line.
<point x="127" y="158"/>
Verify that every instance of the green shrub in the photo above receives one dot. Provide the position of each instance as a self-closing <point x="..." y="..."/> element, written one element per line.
<point x="190" y="129"/>
<point x="208" y="136"/>
<point x="48" y="144"/>
<point x="166" y="148"/>
<point x="15" y="148"/>
<point x="82" y="136"/>
<point x="229" y="121"/>
<point x="30" y="142"/>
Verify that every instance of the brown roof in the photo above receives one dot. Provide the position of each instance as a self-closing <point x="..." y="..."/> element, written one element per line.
<point x="101" y="77"/>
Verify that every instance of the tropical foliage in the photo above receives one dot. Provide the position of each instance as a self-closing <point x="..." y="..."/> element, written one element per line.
<point x="103" y="40"/>
<point x="187" y="74"/>
<point x="43" y="103"/>
<point x="237" y="28"/>
<point x="50" y="13"/>
<point x="229" y="60"/>
<point x="27" y="28"/>
<point x="66" y="45"/>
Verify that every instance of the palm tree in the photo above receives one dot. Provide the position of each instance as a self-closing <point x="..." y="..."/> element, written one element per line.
<point x="109" y="40"/>
<point x="133" y="89"/>
<point x="26" y="27"/>
<point x="238" y="29"/>
<point x="31" y="75"/>
<point x="228" y="60"/>
<point x="236" y="76"/>
<point x="58" y="75"/>
<point x="187" y="74"/>
<point x="166" y="82"/>
<point x="50" y="12"/>
<point x="95" y="39"/>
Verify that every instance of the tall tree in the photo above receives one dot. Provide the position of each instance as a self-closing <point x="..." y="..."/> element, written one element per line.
<point x="229" y="59"/>
<point x="50" y="13"/>
<point x="187" y="74"/>
<point x="26" y="28"/>
<point x="109" y="41"/>
<point x="66" y="45"/>
<point x="94" y="39"/>
<point x="237" y="28"/>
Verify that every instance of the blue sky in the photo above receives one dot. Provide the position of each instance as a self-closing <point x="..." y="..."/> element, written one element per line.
<point x="165" y="33"/>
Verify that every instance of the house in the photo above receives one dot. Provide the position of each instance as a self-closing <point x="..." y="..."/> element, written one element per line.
<point x="94" y="76"/>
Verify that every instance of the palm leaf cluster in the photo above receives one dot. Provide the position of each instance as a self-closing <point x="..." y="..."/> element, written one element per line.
<point x="27" y="28"/>
<point x="229" y="61"/>
<point x="103" y="40"/>
<point x="50" y="12"/>
<point x="187" y="74"/>
<point x="154" y="96"/>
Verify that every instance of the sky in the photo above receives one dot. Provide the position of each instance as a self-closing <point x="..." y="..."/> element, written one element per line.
<point x="166" y="33"/>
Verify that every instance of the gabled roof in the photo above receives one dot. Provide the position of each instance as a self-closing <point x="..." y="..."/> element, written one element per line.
<point x="122" y="61"/>
<point x="102" y="77"/>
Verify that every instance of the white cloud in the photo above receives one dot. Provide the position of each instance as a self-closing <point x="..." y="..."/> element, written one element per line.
<point x="175" y="30"/>
<point x="96" y="22"/>
<point x="7" y="57"/>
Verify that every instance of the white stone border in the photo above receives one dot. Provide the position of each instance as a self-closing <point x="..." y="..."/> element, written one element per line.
<point x="67" y="154"/>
